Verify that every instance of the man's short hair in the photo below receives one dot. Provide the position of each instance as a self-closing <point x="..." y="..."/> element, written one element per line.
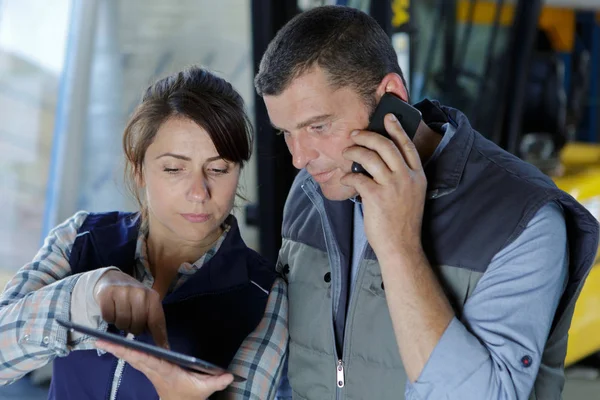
<point x="349" y="45"/>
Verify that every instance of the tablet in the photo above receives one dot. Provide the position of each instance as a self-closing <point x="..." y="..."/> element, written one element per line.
<point x="183" y="360"/>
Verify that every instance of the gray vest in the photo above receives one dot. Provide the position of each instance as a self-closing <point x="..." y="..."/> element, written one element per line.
<point x="464" y="226"/>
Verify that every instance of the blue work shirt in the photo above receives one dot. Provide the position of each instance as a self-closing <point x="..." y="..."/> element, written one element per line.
<point x="471" y="360"/>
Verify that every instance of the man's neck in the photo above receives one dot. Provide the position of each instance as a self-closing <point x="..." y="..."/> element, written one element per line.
<point x="426" y="140"/>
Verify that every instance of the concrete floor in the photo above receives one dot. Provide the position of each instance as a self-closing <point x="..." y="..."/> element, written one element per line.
<point x="583" y="382"/>
<point x="579" y="389"/>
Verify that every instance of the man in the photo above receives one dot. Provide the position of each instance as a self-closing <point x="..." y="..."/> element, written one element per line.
<point x="451" y="273"/>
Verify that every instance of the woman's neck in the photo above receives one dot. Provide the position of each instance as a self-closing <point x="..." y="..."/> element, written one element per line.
<point x="166" y="255"/>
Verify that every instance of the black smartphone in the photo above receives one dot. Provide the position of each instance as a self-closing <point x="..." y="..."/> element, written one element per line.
<point x="408" y="116"/>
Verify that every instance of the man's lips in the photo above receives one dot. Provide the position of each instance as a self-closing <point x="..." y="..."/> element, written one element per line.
<point x="323" y="177"/>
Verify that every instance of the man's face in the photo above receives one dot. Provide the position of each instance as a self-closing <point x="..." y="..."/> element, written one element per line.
<point x="316" y="122"/>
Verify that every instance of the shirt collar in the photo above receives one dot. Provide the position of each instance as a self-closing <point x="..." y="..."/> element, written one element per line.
<point x="141" y="254"/>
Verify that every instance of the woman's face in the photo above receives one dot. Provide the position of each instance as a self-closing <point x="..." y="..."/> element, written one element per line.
<point x="189" y="188"/>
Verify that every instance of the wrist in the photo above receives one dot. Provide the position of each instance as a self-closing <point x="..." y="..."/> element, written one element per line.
<point x="101" y="281"/>
<point x="402" y="254"/>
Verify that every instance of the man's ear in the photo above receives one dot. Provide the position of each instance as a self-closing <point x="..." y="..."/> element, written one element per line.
<point x="392" y="83"/>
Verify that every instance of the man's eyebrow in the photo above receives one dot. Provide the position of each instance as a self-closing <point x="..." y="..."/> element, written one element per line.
<point x="310" y="121"/>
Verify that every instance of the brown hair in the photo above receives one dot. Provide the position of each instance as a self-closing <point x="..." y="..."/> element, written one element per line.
<point x="195" y="94"/>
<point x="348" y="44"/>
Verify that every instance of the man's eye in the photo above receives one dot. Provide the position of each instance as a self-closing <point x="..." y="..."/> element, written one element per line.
<point x="318" y="128"/>
<point x="172" y="170"/>
<point x="219" y="171"/>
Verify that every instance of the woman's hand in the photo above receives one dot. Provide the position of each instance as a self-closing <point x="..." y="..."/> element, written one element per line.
<point x="131" y="306"/>
<point x="170" y="381"/>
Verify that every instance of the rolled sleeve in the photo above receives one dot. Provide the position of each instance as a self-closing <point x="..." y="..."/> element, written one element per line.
<point x="444" y="364"/>
<point x="261" y="356"/>
<point x="84" y="308"/>
<point x="495" y="349"/>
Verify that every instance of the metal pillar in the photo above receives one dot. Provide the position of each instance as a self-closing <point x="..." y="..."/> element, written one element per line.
<point x="381" y="11"/>
<point x="590" y="37"/>
<point x="102" y="164"/>
<point x="71" y="114"/>
<point x="521" y="45"/>
<point x="483" y="85"/>
<point x="275" y="170"/>
<point x="450" y="75"/>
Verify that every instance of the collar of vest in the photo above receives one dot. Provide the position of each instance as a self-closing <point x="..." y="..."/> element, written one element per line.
<point x="445" y="173"/>
<point x="114" y="236"/>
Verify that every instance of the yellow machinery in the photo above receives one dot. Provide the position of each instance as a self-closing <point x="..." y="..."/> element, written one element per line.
<point x="580" y="177"/>
<point x="579" y="172"/>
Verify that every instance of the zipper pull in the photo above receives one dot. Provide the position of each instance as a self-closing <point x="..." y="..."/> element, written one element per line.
<point x="340" y="374"/>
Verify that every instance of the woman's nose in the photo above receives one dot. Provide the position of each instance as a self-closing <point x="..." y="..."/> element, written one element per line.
<point x="199" y="191"/>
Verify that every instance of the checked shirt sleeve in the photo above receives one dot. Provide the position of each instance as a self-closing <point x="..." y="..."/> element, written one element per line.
<point x="261" y="356"/>
<point x="39" y="293"/>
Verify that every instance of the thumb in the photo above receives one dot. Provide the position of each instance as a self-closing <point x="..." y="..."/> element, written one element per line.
<point x="207" y="385"/>
<point x="221" y="382"/>
<point x="360" y="182"/>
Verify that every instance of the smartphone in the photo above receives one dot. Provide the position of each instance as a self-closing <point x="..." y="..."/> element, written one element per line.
<point x="408" y="116"/>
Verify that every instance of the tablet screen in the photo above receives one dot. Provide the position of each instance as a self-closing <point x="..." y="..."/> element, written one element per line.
<point x="180" y="359"/>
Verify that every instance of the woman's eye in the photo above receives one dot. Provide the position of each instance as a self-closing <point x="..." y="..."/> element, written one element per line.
<point x="219" y="171"/>
<point x="172" y="170"/>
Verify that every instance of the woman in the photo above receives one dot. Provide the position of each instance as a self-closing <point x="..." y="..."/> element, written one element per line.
<point x="176" y="273"/>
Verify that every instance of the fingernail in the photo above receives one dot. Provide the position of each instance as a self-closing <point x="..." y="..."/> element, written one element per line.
<point x="354" y="133"/>
<point x="392" y="118"/>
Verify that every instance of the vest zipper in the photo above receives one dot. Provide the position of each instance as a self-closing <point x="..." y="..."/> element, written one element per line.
<point x="340" y="374"/>
<point x="117" y="379"/>
<point x="340" y="371"/>
<point x="339" y="367"/>
<point x="118" y="376"/>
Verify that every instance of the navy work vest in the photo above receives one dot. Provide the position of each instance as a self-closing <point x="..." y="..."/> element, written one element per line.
<point x="208" y="316"/>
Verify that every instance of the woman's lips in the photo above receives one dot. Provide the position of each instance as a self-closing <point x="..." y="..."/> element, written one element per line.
<point x="196" y="218"/>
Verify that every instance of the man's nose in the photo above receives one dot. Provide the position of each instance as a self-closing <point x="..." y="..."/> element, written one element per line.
<point x="302" y="150"/>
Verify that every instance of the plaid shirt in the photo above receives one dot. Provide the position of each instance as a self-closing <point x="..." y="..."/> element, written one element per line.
<point x="41" y="291"/>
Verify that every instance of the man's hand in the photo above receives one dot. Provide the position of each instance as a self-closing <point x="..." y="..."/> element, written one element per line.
<point x="170" y="381"/>
<point x="394" y="198"/>
<point x="131" y="306"/>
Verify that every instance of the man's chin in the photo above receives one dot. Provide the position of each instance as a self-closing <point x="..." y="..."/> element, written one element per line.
<point x="337" y="192"/>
